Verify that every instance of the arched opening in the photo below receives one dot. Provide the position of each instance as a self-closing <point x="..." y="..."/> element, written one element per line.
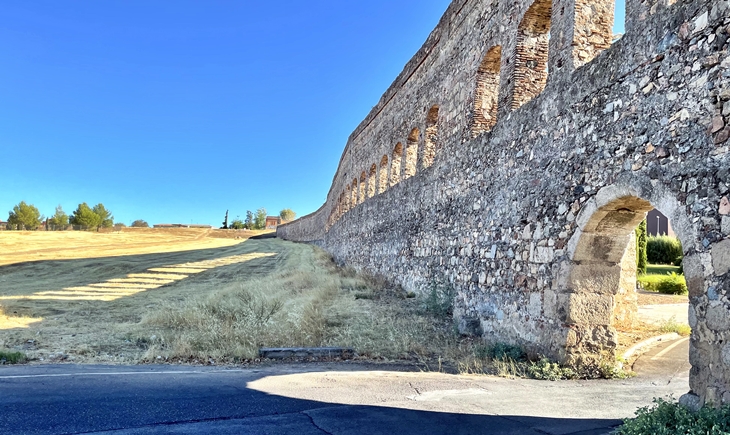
<point x="372" y="180"/>
<point x="602" y="304"/>
<point x="363" y="187"/>
<point x="486" y="95"/>
<point x="355" y="194"/>
<point x="383" y="175"/>
<point x="432" y="131"/>
<point x="592" y="30"/>
<point x="395" y="164"/>
<point x="532" y="53"/>
<point x="348" y="199"/>
<point x="411" y="162"/>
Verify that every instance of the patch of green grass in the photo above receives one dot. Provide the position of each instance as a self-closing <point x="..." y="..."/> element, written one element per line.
<point x="661" y="269"/>
<point x="670" y="418"/>
<point x="667" y="283"/>
<point x="11" y="357"/>
<point x="672" y="325"/>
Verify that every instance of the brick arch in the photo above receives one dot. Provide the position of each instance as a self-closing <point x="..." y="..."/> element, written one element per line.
<point x="372" y="181"/>
<point x="383" y="174"/>
<point x="411" y="156"/>
<point x="395" y="164"/>
<point x="431" y="136"/>
<point x="532" y="53"/>
<point x="486" y="94"/>
<point x="354" y="194"/>
<point x="362" y="188"/>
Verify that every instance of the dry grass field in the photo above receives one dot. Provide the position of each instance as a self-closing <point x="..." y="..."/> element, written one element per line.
<point x="190" y="296"/>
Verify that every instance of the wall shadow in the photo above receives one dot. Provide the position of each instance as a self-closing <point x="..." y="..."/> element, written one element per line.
<point x="221" y="403"/>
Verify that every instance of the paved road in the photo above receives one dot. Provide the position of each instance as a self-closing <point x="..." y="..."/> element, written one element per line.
<point x="301" y="400"/>
<point x="668" y="361"/>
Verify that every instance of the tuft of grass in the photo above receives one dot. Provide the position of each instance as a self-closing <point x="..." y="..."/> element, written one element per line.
<point x="669" y="418"/>
<point x="7" y="357"/>
<point x="672" y="325"/>
<point x="544" y="369"/>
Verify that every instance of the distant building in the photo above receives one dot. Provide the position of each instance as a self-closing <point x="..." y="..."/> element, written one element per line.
<point x="3" y="226"/>
<point x="182" y="226"/>
<point x="272" y="222"/>
<point x="657" y="224"/>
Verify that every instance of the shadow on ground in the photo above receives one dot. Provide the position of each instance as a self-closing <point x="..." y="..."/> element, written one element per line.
<point x="179" y="400"/>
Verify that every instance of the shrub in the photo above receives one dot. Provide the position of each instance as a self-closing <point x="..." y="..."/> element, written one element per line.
<point x="672" y="284"/>
<point x="670" y="418"/>
<point x="11" y="357"/>
<point x="549" y="371"/>
<point x="440" y="301"/>
<point x="499" y="351"/>
<point x="663" y="250"/>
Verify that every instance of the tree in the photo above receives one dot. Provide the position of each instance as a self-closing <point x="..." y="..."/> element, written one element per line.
<point x="139" y="223"/>
<point x="25" y="216"/>
<point x="107" y="220"/>
<point x="641" y="241"/>
<point x="225" y="222"/>
<point x="259" y="220"/>
<point x="59" y="220"/>
<point x="84" y="216"/>
<point x="237" y="224"/>
<point x="248" y="224"/>
<point x="287" y="215"/>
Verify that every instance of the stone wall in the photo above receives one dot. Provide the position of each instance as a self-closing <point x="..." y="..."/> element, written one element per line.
<point x="529" y="218"/>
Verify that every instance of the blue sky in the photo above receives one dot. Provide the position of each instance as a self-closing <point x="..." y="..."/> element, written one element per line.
<point x="177" y="111"/>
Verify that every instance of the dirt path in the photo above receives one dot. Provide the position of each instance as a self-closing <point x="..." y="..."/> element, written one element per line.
<point x="81" y="310"/>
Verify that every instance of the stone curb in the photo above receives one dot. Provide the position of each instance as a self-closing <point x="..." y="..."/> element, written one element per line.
<point x="642" y="345"/>
<point x="303" y="352"/>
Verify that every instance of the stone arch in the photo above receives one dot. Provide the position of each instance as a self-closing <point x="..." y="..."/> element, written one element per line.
<point x="596" y="285"/>
<point x="486" y="94"/>
<point x="532" y="53"/>
<point x="432" y="131"/>
<point x="363" y="187"/>
<point x="411" y="159"/>
<point x="383" y="175"/>
<point x="372" y="180"/>
<point x="395" y="164"/>
<point x="592" y="29"/>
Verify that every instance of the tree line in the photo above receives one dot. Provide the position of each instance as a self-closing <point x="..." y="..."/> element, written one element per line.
<point x="26" y="216"/>
<point x="257" y="220"/>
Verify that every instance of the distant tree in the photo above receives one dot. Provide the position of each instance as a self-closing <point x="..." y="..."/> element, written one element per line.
<point x="259" y="220"/>
<point x="641" y="242"/>
<point x="25" y="216"/>
<point x="119" y="225"/>
<point x="225" y="222"/>
<point x="59" y="220"/>
<point x="248" y="224"/>
<point x="85" y="217"/>
<point x="287" y="215"/>
<point x="139" y="223"/>
<point x="107" y="220"/>
<point x="237" y="224"/>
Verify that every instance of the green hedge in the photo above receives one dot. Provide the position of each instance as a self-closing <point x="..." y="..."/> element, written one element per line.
<point x="670" y="284"/>
<point x="664" y="250"/>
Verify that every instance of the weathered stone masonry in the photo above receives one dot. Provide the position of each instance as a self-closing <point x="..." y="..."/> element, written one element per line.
<point x="538" y="148"/>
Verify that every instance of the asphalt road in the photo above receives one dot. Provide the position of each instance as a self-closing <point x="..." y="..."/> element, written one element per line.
<point x="312" y="399"/>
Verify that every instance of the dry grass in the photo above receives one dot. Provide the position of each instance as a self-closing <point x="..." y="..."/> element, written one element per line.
<point x="308" y="301"/>
<point x="23" y="246"/>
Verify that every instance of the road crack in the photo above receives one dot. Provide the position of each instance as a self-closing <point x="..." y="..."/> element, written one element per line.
<point x="311" y="419"/>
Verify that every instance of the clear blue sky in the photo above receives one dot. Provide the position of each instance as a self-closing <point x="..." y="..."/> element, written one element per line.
<point x="176" y="111"/>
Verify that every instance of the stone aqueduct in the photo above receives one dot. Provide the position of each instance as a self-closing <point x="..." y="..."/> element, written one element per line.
<point x="517" y="151"/>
